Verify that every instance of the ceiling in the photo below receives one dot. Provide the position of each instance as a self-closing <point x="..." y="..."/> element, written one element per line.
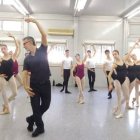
<point x="93" y="7"/>
<point x="6" y="9"/>
<point x="51" y="6"/>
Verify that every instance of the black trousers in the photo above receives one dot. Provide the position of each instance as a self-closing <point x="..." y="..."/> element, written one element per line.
<point x="66" y="76"/>
<point x="107" y="73"/>
<point x="40" y="102"/>
<point x="91" y="78"/>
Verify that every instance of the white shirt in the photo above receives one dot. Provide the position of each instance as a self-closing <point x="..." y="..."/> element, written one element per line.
<point x="108" y="64"/>
<point x="90" y="62"/>
<point x="67" y="62"/>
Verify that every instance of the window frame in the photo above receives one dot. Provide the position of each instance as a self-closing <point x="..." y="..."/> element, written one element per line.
<point x="4" y="22"/>
<point x="15" y="32"/>
<point x="101" y="44"/>
<point x="51" y="42"/>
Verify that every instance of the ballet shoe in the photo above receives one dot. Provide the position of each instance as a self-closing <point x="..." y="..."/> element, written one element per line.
<point x="11" y="98"/>
<point x="119" y="116"/>
<point x="67" y="92"/>
<point x="94" y="89"/>
<point x="61" y="90"/>
<point x="5" y="110"/>
<point x="90" y="90"/>
<point x="3" y="107"/>
<point x="81" y="101"/>
<point x="133" y="101"/>
<point x="129" y="108"/>
<point x="110" y="97"/>
<point x="78" y="100"/>
<point x="115" y="109"/>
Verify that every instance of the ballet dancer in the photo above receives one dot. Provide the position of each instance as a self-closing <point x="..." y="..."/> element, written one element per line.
<point x="66" y="70"/>
<point x="119" y="76"/>
<point x="90" y="63"/>
<point x="39" y="89"/>
<point x="107" y="66"/>
<point x="137" y="82"/>
<point x="6" y="108"/>
<point x="131" y="69"/>
<point x="15" y="62"/>
<point x="79" y="76"/>
<point x="7" y="68"/>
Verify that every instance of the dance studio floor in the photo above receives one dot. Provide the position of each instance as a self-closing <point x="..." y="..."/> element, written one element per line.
<point x="67" y="120"/>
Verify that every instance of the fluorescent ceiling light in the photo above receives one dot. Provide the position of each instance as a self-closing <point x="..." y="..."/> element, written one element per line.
<point x="7" y="2"/>
<point x="17" y="5"/>
<point x="133" y="13"/>
<point x="80" y="4"/>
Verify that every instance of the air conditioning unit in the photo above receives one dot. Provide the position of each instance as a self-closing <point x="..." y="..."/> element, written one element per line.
<point x="53" y="41"/>
<point x="63" y="32"/>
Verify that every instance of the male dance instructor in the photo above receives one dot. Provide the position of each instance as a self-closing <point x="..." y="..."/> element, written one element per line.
<point x="39" y="89"/>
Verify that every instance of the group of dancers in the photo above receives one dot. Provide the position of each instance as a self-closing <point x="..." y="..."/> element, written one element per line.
<point x="35" y="77"/>
<point x="123" y="74"/>
<point x="77" y="72"/>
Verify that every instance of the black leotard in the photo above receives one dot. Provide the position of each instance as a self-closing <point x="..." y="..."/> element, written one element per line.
<point x="121" y="73"/>
<point x="131" y="72"/>
<point x="0" y="69"/>
<point x="137" y="71"/>
<point x="6" y="68"/>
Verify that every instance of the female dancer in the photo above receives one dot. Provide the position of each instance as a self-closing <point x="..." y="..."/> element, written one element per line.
<point x="137" y="75"/>
<point x="107" y="66"/>
<point x="80" y="76"/>
<point x="7" y="69"/>
<point x="6" y="109"/>
<point x="131" y="69"/>
<point x="119" y="75"/>
<point x="15" y="62"/>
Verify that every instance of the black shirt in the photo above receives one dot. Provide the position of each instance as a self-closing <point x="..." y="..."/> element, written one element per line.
<point x="38" y="65"/>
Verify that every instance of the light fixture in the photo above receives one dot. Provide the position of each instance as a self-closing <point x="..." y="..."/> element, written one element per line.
<point x="79" y="5"/>
<point x="17" y="5"/>
<point x="133" y="13"/>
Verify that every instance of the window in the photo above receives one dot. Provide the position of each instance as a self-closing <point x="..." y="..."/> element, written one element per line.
<point x="55" y="53"/>
<point x="100" y="49"/>
<point x="12" y="26"/>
